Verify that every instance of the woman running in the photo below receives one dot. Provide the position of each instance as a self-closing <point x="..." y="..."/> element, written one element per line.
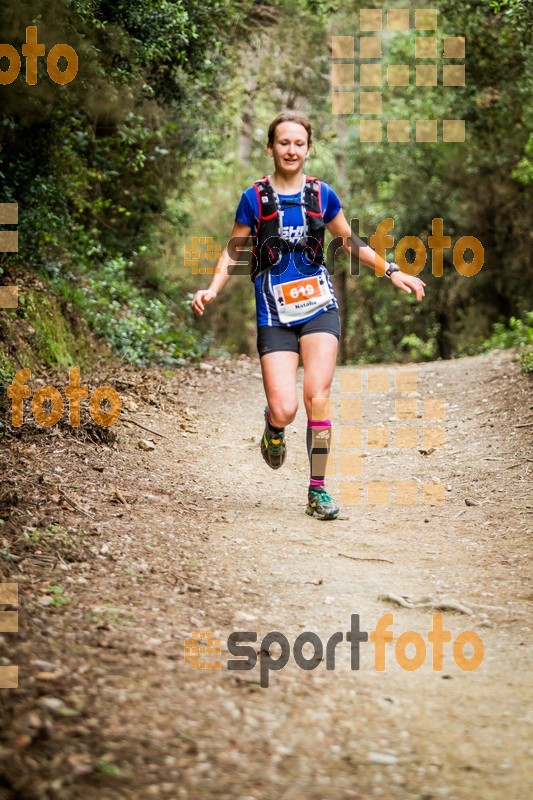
<point x="287" y="213"/>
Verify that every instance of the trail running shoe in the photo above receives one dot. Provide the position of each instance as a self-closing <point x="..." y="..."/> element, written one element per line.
<point x="320" y="504"/>
<point x="273" y="448"/>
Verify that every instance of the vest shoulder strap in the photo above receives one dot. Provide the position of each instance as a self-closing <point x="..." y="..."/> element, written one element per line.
<point x="266" y="199"/>
<point x="312" y="197"/>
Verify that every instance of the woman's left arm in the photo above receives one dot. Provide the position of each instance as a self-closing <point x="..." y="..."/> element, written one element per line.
<point x="339" y="227"/>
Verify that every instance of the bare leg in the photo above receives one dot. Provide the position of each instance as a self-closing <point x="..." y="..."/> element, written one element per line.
<point x="319" y="354"/>
<point x="279" y="379"/>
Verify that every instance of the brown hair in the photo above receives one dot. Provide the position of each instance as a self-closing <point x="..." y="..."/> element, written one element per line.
<point x="290" y="116"/>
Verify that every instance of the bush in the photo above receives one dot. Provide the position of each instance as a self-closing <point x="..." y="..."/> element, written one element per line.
<point x="526" y="362"/>
<point x="514" y="333"/>
<point x="518" y="332"/>
<point x="139" y="327"/>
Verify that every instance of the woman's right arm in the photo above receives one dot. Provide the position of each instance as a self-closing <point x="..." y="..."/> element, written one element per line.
<point x="222" y="273"/>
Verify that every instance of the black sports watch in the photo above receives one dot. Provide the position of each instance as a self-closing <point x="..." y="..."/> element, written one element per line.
<point x="392" y="268"/>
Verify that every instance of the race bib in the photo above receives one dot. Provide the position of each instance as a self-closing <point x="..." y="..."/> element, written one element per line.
<point x="302" y="298"/>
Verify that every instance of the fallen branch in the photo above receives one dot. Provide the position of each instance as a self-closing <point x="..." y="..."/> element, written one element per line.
<point x="73" y="502"/>
<point x="118" y="494"/>
<point x="524" y="425"/>
<point x="426" y="602"/>
<point x="150" y="430"/>
<point x="361" y="558"/>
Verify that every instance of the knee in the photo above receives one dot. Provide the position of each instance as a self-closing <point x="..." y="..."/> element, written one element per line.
<point x="282" y="412"/>
<point x="318" y="406"/>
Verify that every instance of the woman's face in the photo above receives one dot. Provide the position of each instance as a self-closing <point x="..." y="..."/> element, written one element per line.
<point x="290" y="147"/>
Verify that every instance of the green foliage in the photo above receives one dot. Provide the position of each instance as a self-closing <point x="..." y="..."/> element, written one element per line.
<point x="479" y="187"/>
<point x="52" y="339"/>
<point x="59" y="598"/>
<point x="419" y="350"/>
<point x="518" y="333"/>
<point x="7" y="373"/>
<point x="165" y="125"/>
<point x="526" y="362"/>
<point x="139" y="326"/>
<point x="91" y="163"/>
<point x="53" y="535"/>
<point x="514" y="333"/>
<point x="108" y="769"/>
<point x="523" y="171"/>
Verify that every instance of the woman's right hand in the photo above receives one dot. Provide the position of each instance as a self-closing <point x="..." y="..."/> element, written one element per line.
<point x="201" y="299"/>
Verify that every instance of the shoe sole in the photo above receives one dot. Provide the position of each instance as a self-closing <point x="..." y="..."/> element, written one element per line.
<point x="312" y="513"/>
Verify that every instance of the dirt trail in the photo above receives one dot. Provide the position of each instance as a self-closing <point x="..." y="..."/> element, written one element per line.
<point x="198" y="534"/>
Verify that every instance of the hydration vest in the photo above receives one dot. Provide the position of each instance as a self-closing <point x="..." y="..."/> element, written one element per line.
<point x="270" y="245"/>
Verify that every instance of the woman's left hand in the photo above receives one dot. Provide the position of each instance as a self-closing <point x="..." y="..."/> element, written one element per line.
<point x="408" y="283"/>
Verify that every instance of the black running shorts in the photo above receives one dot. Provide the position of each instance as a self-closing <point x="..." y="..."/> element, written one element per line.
<point x="271" y="338"/>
